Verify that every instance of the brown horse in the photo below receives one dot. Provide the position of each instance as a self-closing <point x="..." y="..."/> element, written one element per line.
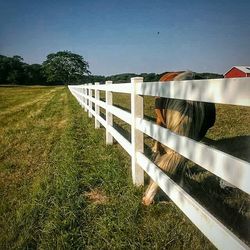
<point x="187" y="118"/>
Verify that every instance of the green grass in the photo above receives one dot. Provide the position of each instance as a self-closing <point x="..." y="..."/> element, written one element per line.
<point x="62" y="187"/>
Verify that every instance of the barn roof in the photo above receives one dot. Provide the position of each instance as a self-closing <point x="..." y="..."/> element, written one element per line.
<point x="245" y="69"/>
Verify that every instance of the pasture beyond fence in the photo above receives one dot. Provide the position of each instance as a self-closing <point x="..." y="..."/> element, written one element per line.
<point x="231" y="169"/>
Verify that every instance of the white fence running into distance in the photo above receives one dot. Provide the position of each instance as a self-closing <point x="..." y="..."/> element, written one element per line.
<point x="231" y="169"/>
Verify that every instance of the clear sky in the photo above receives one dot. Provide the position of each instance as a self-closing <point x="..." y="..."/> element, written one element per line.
<point x="118" y="36"/>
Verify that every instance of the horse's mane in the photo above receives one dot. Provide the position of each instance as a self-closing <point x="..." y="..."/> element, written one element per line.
<point x="187" y="75"/>
<point x="177" y="76"/>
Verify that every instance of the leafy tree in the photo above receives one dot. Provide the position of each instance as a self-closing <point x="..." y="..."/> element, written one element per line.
<point x="92" y="79"/>
<point x="121" y="78"/>
<point x="208" y="76"/>
<point x="11" y="69"/>
<point x="3" y="69"/>
<point x="150" y="77"/>
<point x="33" y="74"/>
<point x="65" y="67"/>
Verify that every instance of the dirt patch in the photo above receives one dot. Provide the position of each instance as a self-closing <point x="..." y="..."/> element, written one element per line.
<point x="96" y="196"/>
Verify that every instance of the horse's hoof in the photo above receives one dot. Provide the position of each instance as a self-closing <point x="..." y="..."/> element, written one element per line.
<point x="147" y="202"/>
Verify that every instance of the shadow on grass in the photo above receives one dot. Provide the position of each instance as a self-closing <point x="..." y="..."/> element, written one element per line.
<point x="230" y="205"/>
<point x="237" y="146"/>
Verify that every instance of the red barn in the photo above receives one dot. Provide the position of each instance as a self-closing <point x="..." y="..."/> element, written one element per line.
<point x="238" y="71"/>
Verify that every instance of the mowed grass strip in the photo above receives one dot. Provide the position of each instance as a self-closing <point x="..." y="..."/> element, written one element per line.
<point x="25" y="148"/>
<point x="64" y="188"/>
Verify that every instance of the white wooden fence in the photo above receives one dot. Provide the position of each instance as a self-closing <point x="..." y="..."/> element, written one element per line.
<point x="233" y="170"/>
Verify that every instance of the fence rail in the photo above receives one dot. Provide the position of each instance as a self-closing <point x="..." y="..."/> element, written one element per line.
<point x="231" y="169"/>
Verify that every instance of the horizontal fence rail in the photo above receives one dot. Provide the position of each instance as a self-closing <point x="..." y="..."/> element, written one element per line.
<point x="227" y="167"/>
<point x="207" y="223"/>
<point x="233" y="170"/>
<point x="225" y="91"/>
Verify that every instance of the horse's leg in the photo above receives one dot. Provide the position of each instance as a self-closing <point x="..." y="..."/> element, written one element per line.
<point x="170" y="162"/>
<point x="152" y="189"/>
<point x="150" y="193"/>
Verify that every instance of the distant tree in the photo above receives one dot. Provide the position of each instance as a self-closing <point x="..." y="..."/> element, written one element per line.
<point x="149" y="77"/>
<point x="17" y="58"/>
<point x="11" y="69"/>
<point x="65" y="67"/>
<point x="3" y="69"/>
<point x="33" y="74"/>
<point x="98" y="78"/>
<point x="92" y="79"/>
<point x="208" y="76"/>
<point x="121" y="78"/>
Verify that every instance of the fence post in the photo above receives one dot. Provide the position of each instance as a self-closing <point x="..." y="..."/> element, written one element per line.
<point x="90" y="102"/>
<point x="97" y="108"/>
<point x="137" y="139"/>
<point x="82" y="99"/>
<point x="85" y="99"/>
<point x="109" y="116"/>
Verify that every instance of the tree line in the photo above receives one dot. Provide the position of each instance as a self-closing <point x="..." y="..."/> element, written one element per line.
<point x="65" y="67"/>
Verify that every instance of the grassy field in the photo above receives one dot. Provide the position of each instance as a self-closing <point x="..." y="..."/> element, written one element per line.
<point x="62" y="187"/>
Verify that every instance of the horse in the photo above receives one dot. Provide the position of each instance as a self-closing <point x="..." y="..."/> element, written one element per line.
<point x="187" y="118"/>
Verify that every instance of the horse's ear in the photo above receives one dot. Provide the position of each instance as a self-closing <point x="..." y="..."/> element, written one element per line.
<point x="187" y="75"/>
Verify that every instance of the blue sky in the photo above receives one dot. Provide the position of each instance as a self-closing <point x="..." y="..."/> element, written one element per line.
<point x="122" y="36"/>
